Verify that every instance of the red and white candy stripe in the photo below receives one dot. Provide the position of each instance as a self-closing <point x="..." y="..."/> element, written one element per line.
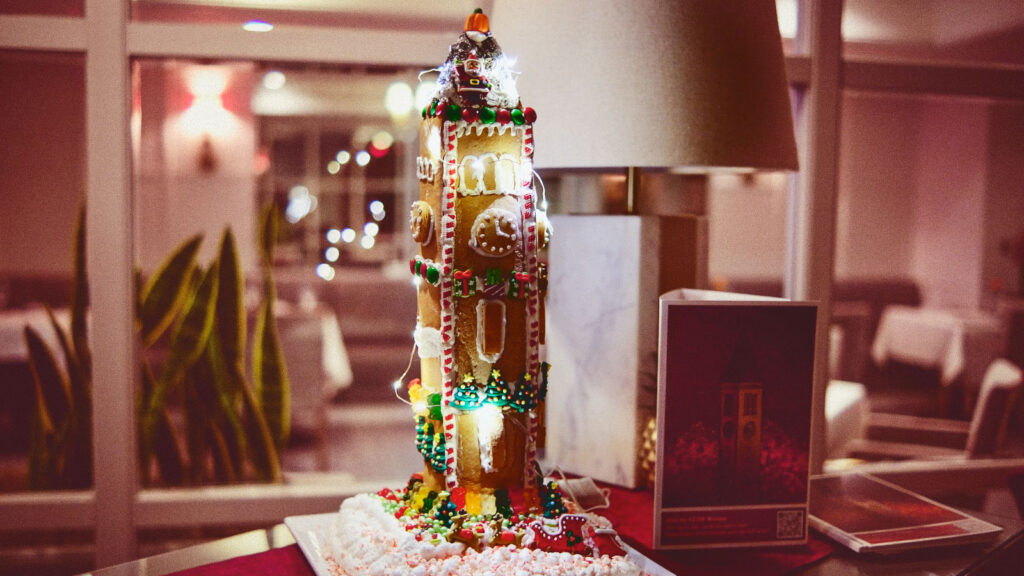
<point x="447" y="303"/>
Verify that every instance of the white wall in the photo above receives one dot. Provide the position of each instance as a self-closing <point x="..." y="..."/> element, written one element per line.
<point x="928" y="187"/>
<point x="42" y="160"/>
<point x="746" y="227"/>
<point x="176" y="197"/>
<point x="876" y="219"/>
<point x="951" y="181"/>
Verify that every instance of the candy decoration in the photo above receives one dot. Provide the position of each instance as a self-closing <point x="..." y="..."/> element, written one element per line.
<point x="530" y="115"/>
<point x="494" y="277"/>
<point x="470" y="114"/>
<point x="565" y="535"/>
<point x="487" y="115"/>
<point x="477" y="22"/>
<point x="453" y="112"/>
<point x="519" y="285"/>
<point x="517" y="117"/>
<point x="504" y="116"/>
<point x="465" y="283"/>
<point x="434" y="404"/>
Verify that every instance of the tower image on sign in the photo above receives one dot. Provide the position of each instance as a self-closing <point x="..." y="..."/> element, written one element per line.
<point x="739" y="449"/>
<point x="481" y="283"/>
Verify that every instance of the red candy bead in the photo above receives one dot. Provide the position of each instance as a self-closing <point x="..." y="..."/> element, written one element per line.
<point x="470" y="114"/>
<point x="504" y="116"/>
<point x="441" y="109"/>
<point x="530" y="114"/>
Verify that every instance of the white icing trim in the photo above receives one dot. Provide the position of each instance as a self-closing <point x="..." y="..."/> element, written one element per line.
<point x="429" y="343"/>
<point x="426" y="168"/>
<point x="504" y="169"/>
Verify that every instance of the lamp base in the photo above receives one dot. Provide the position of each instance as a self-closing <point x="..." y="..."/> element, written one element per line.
<point x="606" y="274"/>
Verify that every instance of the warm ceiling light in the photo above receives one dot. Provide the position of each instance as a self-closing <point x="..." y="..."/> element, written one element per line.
<point x="257" y="26"/>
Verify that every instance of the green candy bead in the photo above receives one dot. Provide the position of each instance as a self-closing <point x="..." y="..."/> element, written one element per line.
<point x="434" y="401"/>
<point x="487" y="115"/>
<point x="453" y="113"/>
<point x="517" y="117"/>
<point x="433" y="275"/>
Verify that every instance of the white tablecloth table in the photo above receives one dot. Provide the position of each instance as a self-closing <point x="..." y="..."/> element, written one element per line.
<point x="12" y="331"/>
<point x="959" y="344"/>
<point x="846" y="412"/>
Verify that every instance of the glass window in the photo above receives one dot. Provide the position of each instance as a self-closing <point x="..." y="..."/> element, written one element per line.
<point x="216" y="145"/>
<point x="42" y="156"/>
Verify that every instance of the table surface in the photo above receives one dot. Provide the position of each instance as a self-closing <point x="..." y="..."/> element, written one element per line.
<point x="989" y="559"/>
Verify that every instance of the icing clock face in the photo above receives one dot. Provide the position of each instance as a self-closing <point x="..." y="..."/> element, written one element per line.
<point x="420" y="222"/>
<point x="495" y="232"/>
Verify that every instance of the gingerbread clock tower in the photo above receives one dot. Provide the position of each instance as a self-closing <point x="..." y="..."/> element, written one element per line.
<point x="481" y="283"/>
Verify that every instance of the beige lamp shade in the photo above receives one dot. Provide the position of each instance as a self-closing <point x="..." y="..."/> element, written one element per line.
<point x="681" y="83"/>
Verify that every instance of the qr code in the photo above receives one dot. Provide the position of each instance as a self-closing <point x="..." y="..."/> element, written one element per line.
<point x="789" y="524"/>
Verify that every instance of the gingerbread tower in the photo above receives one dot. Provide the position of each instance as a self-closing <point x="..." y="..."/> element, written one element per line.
<point x="480" y="323"/>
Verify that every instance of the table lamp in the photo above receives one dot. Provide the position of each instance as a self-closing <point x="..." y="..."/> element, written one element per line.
<point x="635" y="88"/>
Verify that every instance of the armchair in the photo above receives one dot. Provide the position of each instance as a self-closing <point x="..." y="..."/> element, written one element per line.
<point x="901" y="437"/>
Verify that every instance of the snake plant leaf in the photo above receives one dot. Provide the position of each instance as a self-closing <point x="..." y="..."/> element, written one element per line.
<point x="41" y="470"/>
<point x="268" y="235"/>
<point x="225" y="385"/>
<point x="188" y="339"/>
<point x="80" y="300"/>
<point x="78" y="376"/>
<point x="160" y="442"/>
<point x="50" y="381"/>
<point x="196" y="420"/>
<point x="270" y="376"/>
<point x="231" y="303"/>
<point x="77" y="443"/>
<point x="262" y="452"/>
<point x="166" y="290"/>
<point x="168" y="451"/>
<point x="223" y="466"/>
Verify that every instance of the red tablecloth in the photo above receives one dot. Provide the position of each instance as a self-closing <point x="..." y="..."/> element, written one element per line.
<point x="632" y="514"/>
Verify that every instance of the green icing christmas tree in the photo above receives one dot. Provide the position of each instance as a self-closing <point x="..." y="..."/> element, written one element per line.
<point x="543" y="392"/>
<point x="552" y="500"/>
<point x="467" y="395"/>
<point x="525" y="396"/>
<point x="437" y="455"/>
<point x="446" y="510"/>
<point x="497" y="390"/>
<point x="424" y="437"/>
<point x="503" y="503"/>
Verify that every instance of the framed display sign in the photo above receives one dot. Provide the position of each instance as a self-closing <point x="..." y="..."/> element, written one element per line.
<point x="735" y="382"/>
